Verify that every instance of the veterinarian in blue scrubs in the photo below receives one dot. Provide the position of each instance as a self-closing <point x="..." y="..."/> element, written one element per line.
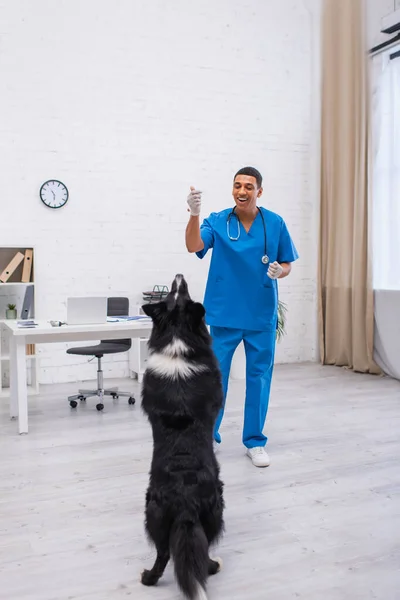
<point x="251" y="249"/>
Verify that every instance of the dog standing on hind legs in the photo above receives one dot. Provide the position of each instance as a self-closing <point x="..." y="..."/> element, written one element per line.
<point x="181" y="396"/>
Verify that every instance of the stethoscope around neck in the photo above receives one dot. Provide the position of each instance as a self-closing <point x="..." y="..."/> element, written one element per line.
<point x="264" y="258"/>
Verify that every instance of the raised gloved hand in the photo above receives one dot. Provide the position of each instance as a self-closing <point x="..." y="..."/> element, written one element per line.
<point x="194" y="202"/>
<point x="274" y="270"/>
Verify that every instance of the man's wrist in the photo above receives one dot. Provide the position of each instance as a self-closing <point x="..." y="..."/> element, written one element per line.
<point x="286" y="268"/>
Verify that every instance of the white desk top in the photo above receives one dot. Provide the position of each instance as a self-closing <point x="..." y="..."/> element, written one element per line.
<point x="46" y="333"/>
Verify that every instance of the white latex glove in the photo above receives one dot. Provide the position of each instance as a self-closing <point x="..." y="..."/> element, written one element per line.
<point x="194" y="201"/>
<point x="274" y="270"/>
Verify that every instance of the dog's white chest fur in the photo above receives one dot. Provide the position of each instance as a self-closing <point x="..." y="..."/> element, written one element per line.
<point x="172" y="362"/>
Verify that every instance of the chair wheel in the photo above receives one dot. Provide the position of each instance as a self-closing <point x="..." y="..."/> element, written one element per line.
<point x="99" y="406"/>
<point x="131" y="400"/>
<point x="82" y="398"/>
<point x="114" y="396"/>
<point x="73" y="404"/>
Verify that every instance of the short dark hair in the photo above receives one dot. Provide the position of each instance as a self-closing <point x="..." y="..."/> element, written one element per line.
<point x="252" y="172"/>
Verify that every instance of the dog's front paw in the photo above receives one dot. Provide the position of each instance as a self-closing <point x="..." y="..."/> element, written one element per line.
<point x="147" y="578"/>
<point x="214" y="566"/>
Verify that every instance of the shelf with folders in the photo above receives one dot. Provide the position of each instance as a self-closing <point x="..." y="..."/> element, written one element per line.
<point x="16" y="265"/>
<point x="17" y="301"/>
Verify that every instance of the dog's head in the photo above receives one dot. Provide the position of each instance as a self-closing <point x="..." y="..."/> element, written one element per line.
<point x="176" y="317"/>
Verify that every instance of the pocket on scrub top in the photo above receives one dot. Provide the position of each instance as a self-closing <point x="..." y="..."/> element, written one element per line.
<point x="267" y="281"/>
<point x="217" y="287"/>
<point x="266" y="304"/>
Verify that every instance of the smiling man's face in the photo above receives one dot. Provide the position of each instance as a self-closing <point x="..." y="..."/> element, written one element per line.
<point x="246" y="193"/>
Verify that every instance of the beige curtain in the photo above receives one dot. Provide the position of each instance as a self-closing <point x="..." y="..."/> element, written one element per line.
<point x="346" y="318"/>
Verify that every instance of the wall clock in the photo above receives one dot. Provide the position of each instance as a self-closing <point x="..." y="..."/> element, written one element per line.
<point x="54" y="193"/>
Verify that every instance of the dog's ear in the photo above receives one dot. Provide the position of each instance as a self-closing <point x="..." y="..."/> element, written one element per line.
<point x="154" y="311"/>
<point x="197" y="312"/>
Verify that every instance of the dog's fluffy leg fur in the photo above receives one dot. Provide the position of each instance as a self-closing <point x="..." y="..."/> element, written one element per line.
<point x="151" y="577"/>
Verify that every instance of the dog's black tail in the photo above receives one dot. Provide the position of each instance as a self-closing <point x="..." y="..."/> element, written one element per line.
<point x="189" y="550"/>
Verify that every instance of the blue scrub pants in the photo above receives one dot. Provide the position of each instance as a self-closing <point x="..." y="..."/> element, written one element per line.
<point x="260" y="351"/>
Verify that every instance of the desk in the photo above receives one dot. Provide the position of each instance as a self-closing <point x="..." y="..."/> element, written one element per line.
<point x="44" y="333"/>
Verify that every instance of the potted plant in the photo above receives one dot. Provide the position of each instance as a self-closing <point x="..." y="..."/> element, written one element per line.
<point x="280" y="330"/>
<point x="11" y="312"/>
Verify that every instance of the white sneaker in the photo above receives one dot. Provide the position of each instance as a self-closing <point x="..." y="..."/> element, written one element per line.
<point x="258" y="456"/>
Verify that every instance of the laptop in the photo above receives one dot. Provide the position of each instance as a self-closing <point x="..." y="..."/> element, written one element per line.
<point x="86" y="310"/>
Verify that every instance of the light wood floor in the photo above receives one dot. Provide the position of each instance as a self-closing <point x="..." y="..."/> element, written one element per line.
<point x="322" y="522"/>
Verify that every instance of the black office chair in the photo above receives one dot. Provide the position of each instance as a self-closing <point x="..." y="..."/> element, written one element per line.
<point x="115" y="307"/>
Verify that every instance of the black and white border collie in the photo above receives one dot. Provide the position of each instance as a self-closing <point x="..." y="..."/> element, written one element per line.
<point x="181" y="396"/>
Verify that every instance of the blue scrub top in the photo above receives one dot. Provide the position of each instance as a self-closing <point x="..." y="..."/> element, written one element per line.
<point x="239" y="293"/>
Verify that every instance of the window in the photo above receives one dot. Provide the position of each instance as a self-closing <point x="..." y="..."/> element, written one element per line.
<point x="386" y="171"/>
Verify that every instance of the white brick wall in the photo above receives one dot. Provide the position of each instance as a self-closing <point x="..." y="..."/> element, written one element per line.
<point x="131" y="102"/>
